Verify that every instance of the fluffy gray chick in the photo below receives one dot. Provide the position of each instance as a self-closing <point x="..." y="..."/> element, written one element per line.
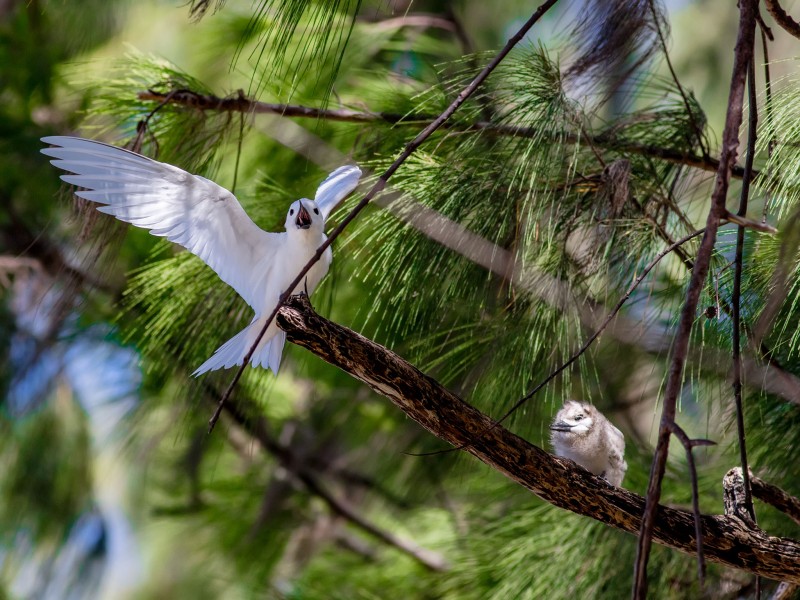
<point x="581" y="433"/>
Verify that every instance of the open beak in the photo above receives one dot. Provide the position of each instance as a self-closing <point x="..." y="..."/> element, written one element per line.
<point x="303" y="220"/>
<point x="561" y="426"/>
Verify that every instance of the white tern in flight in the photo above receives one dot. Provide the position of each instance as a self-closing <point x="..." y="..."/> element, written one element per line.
<point x="581" y="433"/>
<point x="208" y="220"/>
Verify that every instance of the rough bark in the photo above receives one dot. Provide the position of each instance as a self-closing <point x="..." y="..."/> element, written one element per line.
<point x="782" y="18"/>
<point x="727" y="539"/>
<point x="734" y="496"/>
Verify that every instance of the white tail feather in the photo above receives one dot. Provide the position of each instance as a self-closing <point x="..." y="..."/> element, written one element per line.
<point x="232" y="353"/>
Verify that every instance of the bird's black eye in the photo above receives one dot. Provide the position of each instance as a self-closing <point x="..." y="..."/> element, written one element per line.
<point x="578" y="417"/>
<point x="291" y="212"/>
<point x="316" y="211"/>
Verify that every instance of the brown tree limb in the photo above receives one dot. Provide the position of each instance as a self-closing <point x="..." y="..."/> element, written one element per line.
<point x="240" y="103"/>
<point x="782" y="18"/>
<point x="730" y="143"/>
<point x="774" y="496"/>
<point x="727" y="540"/>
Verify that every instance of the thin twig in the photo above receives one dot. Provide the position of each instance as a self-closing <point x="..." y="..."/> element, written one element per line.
<point x="737" y="292"/>
<point x="381" y="183"/>
<point x="766" y="34"/>
<point x="238" y="153"/>
<point x="577" y="354"/>
<point x="730" y="143"/>
<point x="142" y="127"/>
<point x="765" y="29"/>
<point x="428" y="558"/>
<point x="696" y="128"/>
<point x="241" y="103"/>
<point x="688" y="445"/>
<point x="613" y="313"/>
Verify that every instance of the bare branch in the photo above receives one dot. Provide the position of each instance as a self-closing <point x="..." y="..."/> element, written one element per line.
<point x="782" y="18"/>
<point x="240" y="103"/>
<point x="745" y="223"/>
<point x="730" y="143"/>
<point x="775" y="496"/>
<point x="727" y="540"/>
<point x="737" y="294"/>
<point x="688" y="445"/>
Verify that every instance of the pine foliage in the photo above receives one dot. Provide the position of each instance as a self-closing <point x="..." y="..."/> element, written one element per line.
<point x="571" y="179"/>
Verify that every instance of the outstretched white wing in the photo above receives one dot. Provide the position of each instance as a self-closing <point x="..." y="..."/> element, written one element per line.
<point x="335" y="188"/>
<point x="187" y="209"/>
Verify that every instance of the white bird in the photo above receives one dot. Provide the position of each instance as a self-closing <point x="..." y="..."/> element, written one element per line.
<point x="208" y="220"/>
<point x="581" y="433"/>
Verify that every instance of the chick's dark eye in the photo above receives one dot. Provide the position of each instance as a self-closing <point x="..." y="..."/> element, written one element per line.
<point x="578" y="417"/>
<point x="291" y="212"/>
<point x="316" y="211"/>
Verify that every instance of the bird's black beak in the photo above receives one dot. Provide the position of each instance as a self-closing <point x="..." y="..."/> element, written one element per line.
<point x="561" y="426"/>
<point x="303" y="220"/>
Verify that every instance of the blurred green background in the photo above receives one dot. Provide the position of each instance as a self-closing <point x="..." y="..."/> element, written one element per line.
<point x="110" y="486"/>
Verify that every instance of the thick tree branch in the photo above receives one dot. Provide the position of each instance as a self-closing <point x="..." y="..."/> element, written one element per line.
<point x="727" y="540"/>
<point x="775" y="496"/>
<point x="240" y="103"/>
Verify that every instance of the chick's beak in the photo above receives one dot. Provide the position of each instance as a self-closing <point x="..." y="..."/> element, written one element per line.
<point x="303" y="220"/>
<point x="561" y="426"/>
